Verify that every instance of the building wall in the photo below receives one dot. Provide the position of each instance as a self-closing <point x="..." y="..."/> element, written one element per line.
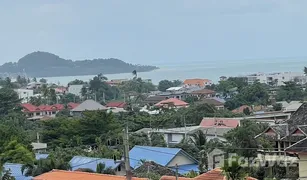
<point x="303" y="166"/>
<point x="75" y="89"/>
<point x="180" y="160"/>
<point x="172" y="138"/>
<point x="24" y="94"/>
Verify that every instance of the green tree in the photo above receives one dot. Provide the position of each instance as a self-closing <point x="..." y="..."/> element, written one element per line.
<point x="290" y="92"/>
<point x="9" y="101"/>
<point x="36" y="101"/>
<point x="277" y="107"/>
<point x="233" y="169"/>
<point x="165" y="84"/>
<point x="305" y="70"/>
<point x="76" y="82"/>
<point x="246" y="111"/>
<point x="157" y="139"/>
<point x="7" y="175"/>
<point x="34" y="79"/>
<point x="15" y="152"/>
<point x="52" y="96"/>
<point x="102" y="169"/>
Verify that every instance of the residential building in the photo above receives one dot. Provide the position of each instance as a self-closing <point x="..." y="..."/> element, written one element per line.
<point x="116" y="106"/>
<point x="299" y="149"/>
<point x="168" y="157"/>
<point x="277" y="79"/>
<point x="116" y="82"/>
<point x="88" y="105"/>
<point x="214" y="102"/>
<point x="76" y="175"/>
<point x="42" y="110"/>
<point x="172" y="103"/>
<point x="197" y="82"/>
<point x="240" y="110"/>
<point x="151" y="100"/>
<point x="34" y="85"/>
<point x="203" y="93"/>
<point x="81" y="162"/>
<point x="75" y="89"/>
<point x="24" y="94"/>
<point x="61" y="90"/>
<point x="215" y="174"/>
<point x="39" y="147"/>
<point x="292" y="107"/>
<point x="72" y="105"/>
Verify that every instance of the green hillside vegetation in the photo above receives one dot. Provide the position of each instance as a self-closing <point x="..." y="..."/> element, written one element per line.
<point x="44" y="64"/>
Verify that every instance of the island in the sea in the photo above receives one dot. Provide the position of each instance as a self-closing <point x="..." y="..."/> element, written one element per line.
<point x="44" y="64"/>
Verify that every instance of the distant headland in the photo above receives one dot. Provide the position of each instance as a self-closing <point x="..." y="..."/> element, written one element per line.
<point x="44" y="64"/>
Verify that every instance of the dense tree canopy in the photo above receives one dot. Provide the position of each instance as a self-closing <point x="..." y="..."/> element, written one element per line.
<point x="165" y="84"/>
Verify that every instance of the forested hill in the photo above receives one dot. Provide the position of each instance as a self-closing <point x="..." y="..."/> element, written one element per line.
<point x="44" y="64"/>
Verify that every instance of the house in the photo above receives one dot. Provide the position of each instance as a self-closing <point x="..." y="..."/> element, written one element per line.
<point x="151" y="100"/>
<point x="88" y="105"/>
<point x="39" y="147"/>
<point x="24" y="94"/>
<point x="182" y="95"/>
<point x="174" y="136"/>
<point x="80" y="162"/>
<point x="168" y="157"/>
<point x="75" y="89"/>
<point x="116" y="82"/>
<point x="293" y="106"/>
<point x="72" y="105"/>
<point x="203" y="93"/>
<point x="215" y="174"/>
<point x="220" y="122"/>
<point x="197" y="82"/>
<point x="15" y="168"/>
<point x="214" y="102"/>
<point x="172" y="102"/>
<point x="116" y="106"/>
<point x="76" y="175"/>
<point x="300" y="150"/>
<point x="60" y="90"/>
<point x="42" y="110"/>
<point x="34" y="85"/>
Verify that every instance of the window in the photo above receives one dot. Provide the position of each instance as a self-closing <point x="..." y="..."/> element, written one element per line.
<point x="119" y="168"/>
<point x="53" y="112"/>
<point x="37" y="114"/>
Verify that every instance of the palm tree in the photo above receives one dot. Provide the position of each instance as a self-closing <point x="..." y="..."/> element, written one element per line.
<point x="135" y="74"/>
<point x="199" y="139"/>
<point x="7" y="175"/>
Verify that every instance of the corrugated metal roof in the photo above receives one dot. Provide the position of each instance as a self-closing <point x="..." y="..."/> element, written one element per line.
<point x="159" y="155"/>
<point x="41" y="156"/>
<point x="89" y="105"/>
<point x="15" y="170"/>
<point x="78" y="162"/>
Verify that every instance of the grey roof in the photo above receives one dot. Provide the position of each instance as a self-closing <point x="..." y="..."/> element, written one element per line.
<point x="299" y="147"/>
<point x="293" y="107"/>
<point x="298" y="118"/>
<point x="89" y="105"/>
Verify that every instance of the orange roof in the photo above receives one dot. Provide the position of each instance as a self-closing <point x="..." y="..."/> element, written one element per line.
<point x="75" y="175"/>
<point x="241" y="109"/>
<point x="197" y="82"/>
<point x="215" y="174"/>
<point x="174" y="101"/>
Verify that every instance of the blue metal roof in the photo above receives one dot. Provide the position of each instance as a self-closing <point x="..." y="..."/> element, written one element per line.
<point x="88" y="162"/>
<point x="16" y="171"/>
<point x="160" y="155"/>
<point x="184" y="169"/>
<point x="41" y="156"/>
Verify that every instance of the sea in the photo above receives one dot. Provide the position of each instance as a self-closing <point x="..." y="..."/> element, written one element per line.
<point x="202" y="69"/>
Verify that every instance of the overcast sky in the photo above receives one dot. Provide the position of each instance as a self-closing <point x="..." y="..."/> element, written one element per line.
<point x="154" y="31"/>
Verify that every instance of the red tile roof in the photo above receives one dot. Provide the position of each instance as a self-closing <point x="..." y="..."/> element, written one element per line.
<point x="196" y="82"/>
<point x="116" y="104"/>
<point x="72" y="105"/>
<point x="75" y="175"/>
<point x="27" y="107"/>
<point x="215" y="174"/>
<point x="220" y="122"/>
<point x="174" y="101"/>
<point x="203" y="91"/>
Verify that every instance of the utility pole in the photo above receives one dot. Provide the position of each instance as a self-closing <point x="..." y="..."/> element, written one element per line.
<point x="176" y="171"/>
<point x="126" y="153"/>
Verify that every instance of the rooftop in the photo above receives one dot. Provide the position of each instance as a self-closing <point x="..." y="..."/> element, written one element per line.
<point x="76" y="175"/>
<point x="89" y="105"/>
<point x="78" y="162"/>
<point x="173" y="101"/>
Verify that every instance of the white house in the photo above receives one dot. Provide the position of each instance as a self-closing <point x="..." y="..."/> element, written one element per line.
<point x="24" y="94"/>
<point x="75" y="89"/>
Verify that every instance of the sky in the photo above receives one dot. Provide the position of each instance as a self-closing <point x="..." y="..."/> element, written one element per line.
<point x="154" y="31"/>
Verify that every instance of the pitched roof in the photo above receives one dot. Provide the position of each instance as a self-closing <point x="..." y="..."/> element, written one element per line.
<point x="116" y="104"/>
<point x="215" y="174"/>
<point x="78" y="162"/>
<point x="299" y="147"/>
<point x="27" y="107"/>
<point x="174" y="101"/>
<point x="198" y="82"/>
<point x="203" y="91"/>
<point x="15" y="170"/>
<point x="89" y="105"/>
<point x="72" y="105"/>
<point x="298" y="118"/>
<point x="159" y="155"/>
<point x="76" y="175"/>
<point x="275" y="131"/>
<point x="39" y="156"/>
<point x="293" y="107"/>
<point x="154" y="99"/>
<point x="220" y="122"/>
